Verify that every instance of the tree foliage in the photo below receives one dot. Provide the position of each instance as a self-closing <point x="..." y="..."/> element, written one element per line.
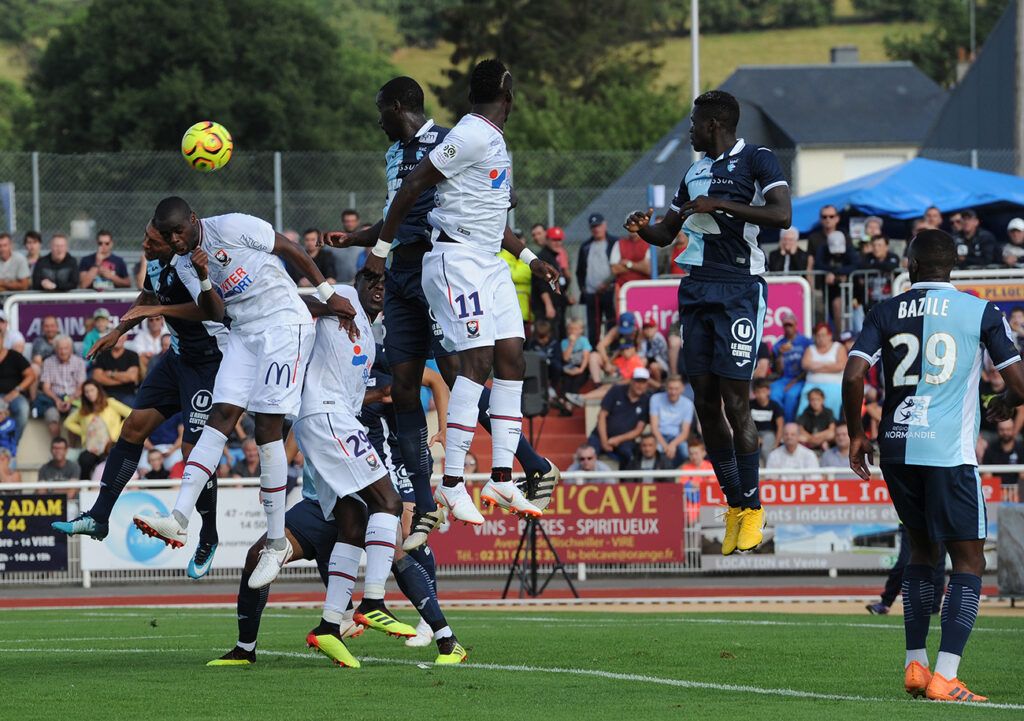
<point x="936" y="52"/>
<point x="270" y="70"/>
<point x="889" y="11"/>
<point x="730" y="16"/>
<point x="577" y="85"/>
<point x="14" y="108"/>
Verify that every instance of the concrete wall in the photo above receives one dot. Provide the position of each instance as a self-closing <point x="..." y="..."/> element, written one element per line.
<point x="818" y="168"/>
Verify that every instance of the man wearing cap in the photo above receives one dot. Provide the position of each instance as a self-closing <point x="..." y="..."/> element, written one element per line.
<point x="622" y="418"/>
<point x="14" y="272"/>
<point x="601" y="359"/>
<point x="789" y="355"/>
<point x="595" y="278"/>
<point x="100" y="327"/>
<point x="547" y="304"/>
<point x="975" y="246"/>
<point x="1014" y="248"/>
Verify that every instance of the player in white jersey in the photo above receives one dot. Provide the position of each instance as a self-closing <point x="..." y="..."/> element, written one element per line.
<point x="470" y="289"/>
<point x="271" y="334"/>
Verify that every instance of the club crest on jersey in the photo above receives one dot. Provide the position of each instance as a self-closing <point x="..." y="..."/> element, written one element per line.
<point x="372" y="462"/>
<point x="731" y="165"/>
<point x="913" y="411"/>
<point x="473" y="328"/>
<point x="222" y="257"/>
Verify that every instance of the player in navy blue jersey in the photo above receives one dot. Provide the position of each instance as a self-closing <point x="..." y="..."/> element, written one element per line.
<point x="931" y="342"/>
<point x="412" y="334"/>
<point x="181" y="380"/>
<point x="725" y="198"/>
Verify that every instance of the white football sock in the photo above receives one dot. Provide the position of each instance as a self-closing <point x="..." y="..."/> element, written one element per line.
<point x="274" y="487"/>
<point x="947" y="665"/>
<point x="341" y="579"/>
<point x="506" y="421"/>
<point x="201" y="464"/>
<point x="917" y="654"/>
<point x="381" y="529"/>
<point x="462" y="418"/>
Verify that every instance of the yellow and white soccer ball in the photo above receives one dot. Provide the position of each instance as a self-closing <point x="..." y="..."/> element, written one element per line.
<point x="207" y="146"/>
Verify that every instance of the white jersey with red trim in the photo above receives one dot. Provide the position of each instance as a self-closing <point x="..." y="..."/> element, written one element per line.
<point x="339" y="368"/>
<point x="473" y="200"/>
<point x="253" y="282"/>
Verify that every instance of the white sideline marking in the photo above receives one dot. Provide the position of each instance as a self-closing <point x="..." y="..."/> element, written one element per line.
<point x="98" y="638"/>
<point x="679" y="683"/>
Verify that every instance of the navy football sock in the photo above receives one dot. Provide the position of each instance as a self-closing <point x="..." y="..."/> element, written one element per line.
<point x="207" y="507"/>
<point x="728" y="474"/>
<point x="918" y="596"/>
<point x="959" y="611"/>
<point x="416" y="585"/>
<point x="749" y="467"/>
<point x="425" y="557"/>
<point x="251" y="602"/>
<point x="412" y="440"/>
<point x="122" y="462"/>
<point x="529" y="459"/>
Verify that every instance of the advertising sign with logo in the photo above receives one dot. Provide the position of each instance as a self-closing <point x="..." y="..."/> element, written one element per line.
<point x="596" y="523"/>
<point x="1007" y="293"/>
<point x="71" y="316"/>
<point x="655" y="300"/>
<point x="240" y="522"/>
<point x="817" y="524"/>
<point x="27" y="543"/>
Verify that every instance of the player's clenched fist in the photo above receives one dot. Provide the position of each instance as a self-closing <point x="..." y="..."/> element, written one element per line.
<point x="200" y="261"/>
<point x="638" y="219"/>
<point x="546" y="271"/>
<point x="335" y="239"/>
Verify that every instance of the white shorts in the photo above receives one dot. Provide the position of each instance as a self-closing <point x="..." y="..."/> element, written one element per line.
<point x="472" y="297"/>
<point x="263" y="371"/>
<point x="340" y="457"/>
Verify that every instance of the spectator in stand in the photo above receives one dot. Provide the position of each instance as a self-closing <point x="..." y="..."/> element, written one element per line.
<point x="631" y="260"/>
<point x="97" y="423"/>
<point x="44" y="344"/>
<point x="793" y="455"/>
<point x="117" y="370"/>
<point x="58" y="271"/>
<point x="789" y="356"/>
<point x="956" y="224"/>
<point x="626" y="360"/>
<point x="647" y="457"/>
<point x="586" y="460"/>
<point x="14" y="270"/>
<point x="768" y="417"/>
<point x="667" y="256"/>
<point x="838" y="259"/>
<point x="621" y="420"/>
<point x="933" y="216"/>
<point x="575" y="361"/>
<point x="1007" y="450"/>
<point x="557" y="247"/>
<point x="59" y="469"/>
<point x="545" y="302"/>
<point x="765" y="360"/>
<point x="10" y="338"/>
<point x="16" y="378"/>
<point x="471" y="466"/>
<point x="148" y="340"/>
<point x="33" y="243"/>
<point x="818" y="238"/>
<point x="249" y="466"/>
<point x="653" y="349"/>
<point x="8" y="430"/>
<point x="167" y="440"/>
<point x="838" y="456"/>
<point x="1015" y="233"/>
<point x="8" y="474"/>
<point x="883" y="263"/>
<point x="60" y="384"/>
<point x="322" y="259"/>
<point x="156" y="466"/>
<point x="602" y="359"/>
<point x="671" y="418"/>
<point x="1016" y="320"/>
<point x="824" y="363"/>
<point x="595" y="278"/>
<point x="346" y="260"/>
<point x="544" y="341"/>
<point x="817" y="423"/>
<point x="103" y="270"/>
<point x="788" y="257"/>
<point x="976" y="247"/>
<point x="539" y="234"/>
<point x="698" y="462"/>
<point x="100" y="327"/>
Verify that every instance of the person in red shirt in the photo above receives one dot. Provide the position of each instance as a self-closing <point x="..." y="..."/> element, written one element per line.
<point x="630" y="260"/>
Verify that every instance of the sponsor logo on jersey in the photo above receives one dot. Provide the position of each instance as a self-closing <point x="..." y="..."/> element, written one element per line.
<point x="359" y="358"/>
<point x="235" y="283"/>
<point x="913" y="411"/>
<point x="497" y="177"/>
<point x="743" y="341"/>
<point x="221" y="257"/>
<point x="448" y="151"/>
<point x="281" y="371"/>
<point x="429" y="138"/>
<point x="473" y="328"/>
<point x="202" y="401"/>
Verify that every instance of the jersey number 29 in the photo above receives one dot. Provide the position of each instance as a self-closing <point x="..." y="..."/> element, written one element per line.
<point x="939" y="351"/>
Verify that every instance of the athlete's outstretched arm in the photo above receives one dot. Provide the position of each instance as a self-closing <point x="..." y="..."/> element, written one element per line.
<point x="777" y="211"/>
<point x="435" y="382"/>
<point x="364" y="238"/>
<point x="660" y="234"/>
<point x="108" y="341"/>
<point x="297" y="257"/>
<point x="184" y="311"/>
<point x="861" y="455"/>
<point x="538" y="267"/>
<point x="423" y="176"/>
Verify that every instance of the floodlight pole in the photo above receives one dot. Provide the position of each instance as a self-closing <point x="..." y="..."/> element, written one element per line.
<point x="695" y="58"/>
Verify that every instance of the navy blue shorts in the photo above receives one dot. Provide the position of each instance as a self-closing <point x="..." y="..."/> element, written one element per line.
<point x="315" y="534"/>
<point x="721" y="324"/>
<point x="946" y="502"/>
<point x="410" y="330"/>
<point x="173" y="385"/>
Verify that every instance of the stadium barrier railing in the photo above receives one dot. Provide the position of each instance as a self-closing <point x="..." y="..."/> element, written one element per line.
<point x="691" y="564"/>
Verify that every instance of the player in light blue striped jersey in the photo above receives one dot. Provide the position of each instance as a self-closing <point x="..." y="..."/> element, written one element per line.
<point x="931" y="342"/>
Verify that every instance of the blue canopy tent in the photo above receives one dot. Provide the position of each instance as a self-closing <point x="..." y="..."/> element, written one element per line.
<point x="904" y="191"/>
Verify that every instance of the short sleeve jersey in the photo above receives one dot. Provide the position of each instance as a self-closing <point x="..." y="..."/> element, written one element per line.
<point x="401" y="159"/>
<point x="719" y="241"/>
<point x="191" y="340"/>
<point x="671" y="416"/>
<point x="256" y="288"/>
<point x="624" y="413"/>
<point x="931" y="341"/>
<point x="473" y="199"/>
<point x="339" y="368"/>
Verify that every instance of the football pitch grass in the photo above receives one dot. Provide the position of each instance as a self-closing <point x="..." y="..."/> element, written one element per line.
<point x="523" y="664"/>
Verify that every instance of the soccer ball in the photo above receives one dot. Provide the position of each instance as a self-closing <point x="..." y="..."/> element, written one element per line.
<point x="207" y="146"/>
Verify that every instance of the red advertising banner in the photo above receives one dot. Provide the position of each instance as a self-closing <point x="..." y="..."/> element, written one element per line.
<point x="784" y="492"/>
<point x="596" y="523"/>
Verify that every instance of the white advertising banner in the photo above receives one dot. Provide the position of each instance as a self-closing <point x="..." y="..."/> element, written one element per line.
<point x="240" y="522"/>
